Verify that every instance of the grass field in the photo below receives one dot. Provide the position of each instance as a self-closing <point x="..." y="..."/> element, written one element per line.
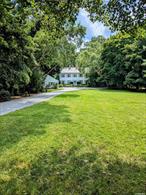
<point x="83" y="142"/>
<point x="52" y="90"/>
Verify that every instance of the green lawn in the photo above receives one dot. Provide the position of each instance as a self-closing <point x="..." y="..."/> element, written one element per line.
<point x="52" y="90"/>
<point x="84" y="142"/>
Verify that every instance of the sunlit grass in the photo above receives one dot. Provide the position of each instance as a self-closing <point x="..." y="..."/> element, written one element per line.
<point x="85" y="142"/>
<point x="52" y="90"/>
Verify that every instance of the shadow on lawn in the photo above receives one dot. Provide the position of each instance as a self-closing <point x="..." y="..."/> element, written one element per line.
<point x="30" y="121"/>
<point x="68" y="95"/>
<point x="119" y="90"/>
<point x="66" y="172"/>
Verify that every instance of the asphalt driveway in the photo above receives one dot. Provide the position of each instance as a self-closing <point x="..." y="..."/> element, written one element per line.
<point x="13" y="105"/>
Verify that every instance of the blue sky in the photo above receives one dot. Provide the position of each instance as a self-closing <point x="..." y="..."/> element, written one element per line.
<point x="93" y="29"/>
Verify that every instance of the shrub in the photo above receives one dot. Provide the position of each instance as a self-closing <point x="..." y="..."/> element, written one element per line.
<point x="4" y="95"/>
<point x="56" y="86"/>
<point x="60" y="85"/>
<point x="68" y="85"/>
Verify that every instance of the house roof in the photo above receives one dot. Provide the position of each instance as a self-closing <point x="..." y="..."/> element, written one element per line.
<point x="50" y="79"/>
<point x="70" y="70"/>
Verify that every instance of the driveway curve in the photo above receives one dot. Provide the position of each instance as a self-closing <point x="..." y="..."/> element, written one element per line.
<point x="13" y="105"/>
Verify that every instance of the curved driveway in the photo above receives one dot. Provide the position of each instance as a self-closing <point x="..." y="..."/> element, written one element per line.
<point x="13" y="105"/>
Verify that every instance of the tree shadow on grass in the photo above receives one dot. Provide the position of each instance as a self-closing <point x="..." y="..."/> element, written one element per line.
<point x="68" y="95"/>
<point x="114" y="90"/>
<point x="30" y="122"/>
<point x="68" y="172"/>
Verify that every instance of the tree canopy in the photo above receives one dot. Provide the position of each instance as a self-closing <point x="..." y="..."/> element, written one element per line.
<point x="117" y="62"/>
<point x="120" y="15"/>
<point x="37" y="37"/>
<point x="89" y="59"/>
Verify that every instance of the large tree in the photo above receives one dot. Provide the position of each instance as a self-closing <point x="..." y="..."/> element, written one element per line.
<point x="29" y="35"/>
<point x="89" y="59"/>
<point x="122" y="60"/>
<point x="119" y="15"/>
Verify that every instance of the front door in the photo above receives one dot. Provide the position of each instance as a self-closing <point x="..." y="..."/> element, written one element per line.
<point x="75" y="83"/>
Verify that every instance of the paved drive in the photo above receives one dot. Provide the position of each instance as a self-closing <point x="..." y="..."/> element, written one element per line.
<point x="13" y="105"/>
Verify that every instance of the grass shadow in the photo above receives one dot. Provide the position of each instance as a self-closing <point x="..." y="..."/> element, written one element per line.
<point x="68" y="95"/>
<point x="119" y="90"/>
<point x="68" y="172"/>
<point x="30" y="122"/>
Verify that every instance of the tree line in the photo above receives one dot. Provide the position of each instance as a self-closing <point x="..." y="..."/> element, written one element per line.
<point x="118" y="62"/>
<point x="36" y="38"/>
<point x="39" y="37"/>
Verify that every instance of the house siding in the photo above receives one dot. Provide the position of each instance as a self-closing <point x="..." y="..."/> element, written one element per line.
<point x="67" y="76"/>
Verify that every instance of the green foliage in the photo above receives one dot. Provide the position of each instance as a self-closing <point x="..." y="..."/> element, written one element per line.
<point x="144" y="67"/>
<point x="89" y="59"/>
<point x="121" y="61"/>
<point x="37" y="81"/>
<point x="44" y="35"/>
<point x="4" y="95"/>
<point x="31" y="38"/>
<point x="113" y="70"/>
<point x="120" y="15"/>
<point x="56" y="86"/>
<point x="60" y="85"/>
<point x="90" y="54"/>
<point x="117" y="62"/>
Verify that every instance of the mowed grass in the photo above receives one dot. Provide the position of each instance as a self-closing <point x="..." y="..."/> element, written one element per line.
<point x="83" y="142"/>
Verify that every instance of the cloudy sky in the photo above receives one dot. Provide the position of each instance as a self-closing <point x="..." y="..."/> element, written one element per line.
<point x="93" y="29"/>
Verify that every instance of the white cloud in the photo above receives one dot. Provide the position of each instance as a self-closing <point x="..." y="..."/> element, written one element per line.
<point x="93" y="29"/>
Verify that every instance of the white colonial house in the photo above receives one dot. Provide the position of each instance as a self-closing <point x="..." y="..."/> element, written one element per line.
<point x="71" y="75"/>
